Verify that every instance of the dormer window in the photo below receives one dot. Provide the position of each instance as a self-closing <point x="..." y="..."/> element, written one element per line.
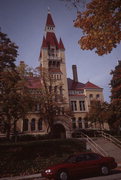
<point x="97" y="96"/>
<point x="51" y="52"/>
<point x="91" y="96"/>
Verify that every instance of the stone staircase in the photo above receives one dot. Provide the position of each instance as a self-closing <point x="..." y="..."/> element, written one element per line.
<point x="110" y="148"/>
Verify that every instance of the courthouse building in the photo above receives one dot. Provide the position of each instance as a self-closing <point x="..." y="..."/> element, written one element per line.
<point x="77" y="95"/>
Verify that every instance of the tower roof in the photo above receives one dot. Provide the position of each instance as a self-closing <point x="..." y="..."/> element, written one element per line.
<point x="51" y="39"/>
<point x="49" y="21"/>
<point x="61" y="46"/>
<point x="44" y="45"/>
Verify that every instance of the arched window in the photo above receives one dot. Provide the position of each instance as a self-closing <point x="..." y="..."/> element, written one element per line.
<point x="2" y="126"/>
<point x="25" y="124"/>
<point x="82" y="105"/>
<point x="80" y="122"/>
<point x="74" y="123"/>
<point x="86" y="122"/>
<point x="33" y="124"/>
<point x="40" y="124"/>
<point x="55" y="89"/>
<point x="61" y="90"/>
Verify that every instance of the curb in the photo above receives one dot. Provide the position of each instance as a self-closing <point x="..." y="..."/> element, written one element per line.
<point x="39" y="175"/>
<point x="23" y="177"/>
<point x="119" y="164"/>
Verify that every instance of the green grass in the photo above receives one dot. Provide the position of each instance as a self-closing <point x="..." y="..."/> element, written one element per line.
<point x="31" y="157"/>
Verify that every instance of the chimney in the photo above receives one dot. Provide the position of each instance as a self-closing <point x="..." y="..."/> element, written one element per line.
<point x="75" y="76"/>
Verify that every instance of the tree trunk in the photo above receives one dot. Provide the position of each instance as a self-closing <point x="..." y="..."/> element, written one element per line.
<point x="15" y="132"/>
<point x="8" y="130"/>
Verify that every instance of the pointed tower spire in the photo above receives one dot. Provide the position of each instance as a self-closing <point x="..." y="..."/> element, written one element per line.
<point x="49" y="21"/>
<point x="44" y="45"/>
<point x="61" y="46"/>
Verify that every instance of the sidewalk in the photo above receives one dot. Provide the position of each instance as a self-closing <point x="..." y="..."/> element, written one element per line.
<point x="119" y="166"/>
<point x="23" y="177"/>
<point x="36" y="176"/>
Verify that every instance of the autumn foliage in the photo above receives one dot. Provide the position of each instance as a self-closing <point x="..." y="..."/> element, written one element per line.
<point x="116" y="83"/>
<point x="101" y="25"/>
<point x="14" y="98"/>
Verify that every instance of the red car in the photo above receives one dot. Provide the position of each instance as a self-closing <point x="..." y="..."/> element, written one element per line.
<point x="80" y="164"/>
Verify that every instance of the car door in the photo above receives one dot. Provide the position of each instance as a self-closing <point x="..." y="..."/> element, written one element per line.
<point x="80" y="165"/>
<point x="76" y="165"/>
<point x="92" y="163"/>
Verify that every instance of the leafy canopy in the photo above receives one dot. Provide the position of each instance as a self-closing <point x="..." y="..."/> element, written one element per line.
<point x="14" y="98"/>
<point x="101" y="25"/>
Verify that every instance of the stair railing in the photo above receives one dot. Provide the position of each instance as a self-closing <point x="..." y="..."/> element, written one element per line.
<point x="110" y="138"/>
<point x="94" y="146"/>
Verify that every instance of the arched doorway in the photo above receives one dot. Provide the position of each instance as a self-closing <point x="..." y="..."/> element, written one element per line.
<point x="59" y="131"/>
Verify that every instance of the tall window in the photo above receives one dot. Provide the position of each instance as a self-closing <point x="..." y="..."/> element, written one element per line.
<point x="51" y="52"/>
<point x="25" y="124"/>
<point x="97" y="96"/>
<point x="33" y="124"/>
<point x="2" y="126"/>
<point x="73" y="105"/>
<point x="91" y="96"/>
<point x="74" y="123"/>
<point x="58" y="64"/>
<point x="62" y="109"/>
<point x="82" y="105"/>
<point x="37" y="107"/>
<point x="50" y="89"/>
<point x="80" y="122"/>
<point x="86" y="122"/>
<point x="55" y="89"/>
<point x="61" y="90"/>
<point x="40" y="124"/>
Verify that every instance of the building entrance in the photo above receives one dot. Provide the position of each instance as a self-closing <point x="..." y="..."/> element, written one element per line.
<point x="59" y="131"/>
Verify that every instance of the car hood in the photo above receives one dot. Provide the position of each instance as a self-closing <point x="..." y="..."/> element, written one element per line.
<point x="57" y="166"/>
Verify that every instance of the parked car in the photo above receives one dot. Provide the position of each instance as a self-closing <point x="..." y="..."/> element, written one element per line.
<point x="80" y="164"/>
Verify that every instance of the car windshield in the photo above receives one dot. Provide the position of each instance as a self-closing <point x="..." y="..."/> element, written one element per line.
<point x="82" y="157"/>
<point x="71" y="159"/>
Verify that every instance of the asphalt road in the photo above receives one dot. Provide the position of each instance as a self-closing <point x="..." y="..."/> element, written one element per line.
<point x="115" y="175"/>
<point x="110" y="177"/>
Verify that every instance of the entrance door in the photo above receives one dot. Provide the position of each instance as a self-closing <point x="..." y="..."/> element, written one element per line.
<point x="59" y="131"/>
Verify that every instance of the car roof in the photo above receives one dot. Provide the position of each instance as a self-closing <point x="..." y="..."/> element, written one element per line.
<point x="79" y="153"/>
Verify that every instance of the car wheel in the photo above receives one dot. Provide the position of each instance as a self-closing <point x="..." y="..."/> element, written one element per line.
<point x="62" y="175"/>
<point x="105" y="170"/>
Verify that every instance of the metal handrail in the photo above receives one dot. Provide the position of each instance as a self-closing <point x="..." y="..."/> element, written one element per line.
<point x="111" y="138"/>
<point x="95" y="146"/>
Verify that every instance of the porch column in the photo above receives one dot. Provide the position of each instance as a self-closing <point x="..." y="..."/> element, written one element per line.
<point x="29" y="125"/>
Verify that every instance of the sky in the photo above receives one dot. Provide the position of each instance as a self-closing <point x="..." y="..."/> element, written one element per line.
<point x="24" y="22"/>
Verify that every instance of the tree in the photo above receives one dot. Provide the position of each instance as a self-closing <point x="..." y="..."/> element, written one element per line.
<point x="101" y="25"/>
<point x="13" y="94"/>
<point x="116" y="83"/>
<point x="116" y="96"/>
<point x="51" y="102"/>
<point x="97" y="114"/>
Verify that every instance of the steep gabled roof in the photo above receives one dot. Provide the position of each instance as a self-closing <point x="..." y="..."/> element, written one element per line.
<point x="72" y="85"/>
<point x="61" y="46"/>
<point x="49" y="21"/>
<point x="90" y="85"/>
<point x="44" y="44"/>
<point x="51" y="40"/>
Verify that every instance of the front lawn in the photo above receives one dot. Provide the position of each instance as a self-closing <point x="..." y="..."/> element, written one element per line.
<point x="26" y="158"/>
